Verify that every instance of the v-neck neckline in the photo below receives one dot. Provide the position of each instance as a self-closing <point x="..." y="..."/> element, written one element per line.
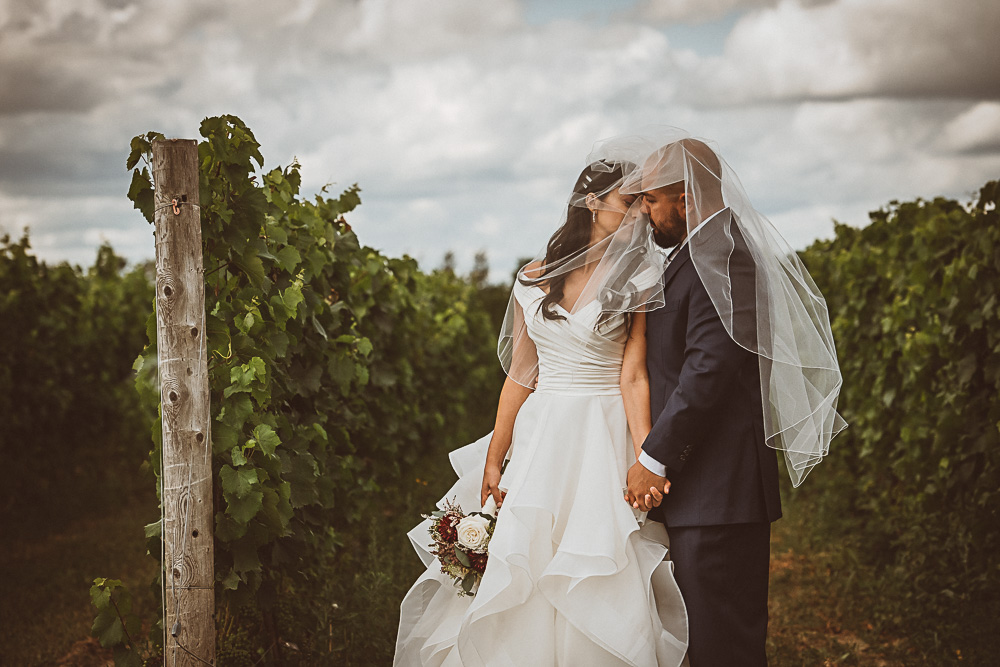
<point x="557" y="305"/>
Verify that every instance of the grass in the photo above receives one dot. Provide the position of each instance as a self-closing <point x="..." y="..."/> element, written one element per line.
<point x="49" y="566"/>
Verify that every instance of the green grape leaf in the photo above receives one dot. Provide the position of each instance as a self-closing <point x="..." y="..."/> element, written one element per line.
<point x="245" y="556"/>
<point x="227" y="528"/>
<point x="237" y="456"/>
<point x="140" y="191"/>
<point x="154" y="529"/>
<point x="289" y="259"/>
<point x="243" y="509"/>
<point x="224" y="437"/>
<point x="237" y="482"/>
<point x="231" y="581"/>
<point x="365" y="346"/>
<point x="254" y="270"/>
<point x="291" y="298"/>
<point x="266" y="438"/>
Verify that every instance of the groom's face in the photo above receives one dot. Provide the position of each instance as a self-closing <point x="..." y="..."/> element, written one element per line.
<point x="666" y="211"/>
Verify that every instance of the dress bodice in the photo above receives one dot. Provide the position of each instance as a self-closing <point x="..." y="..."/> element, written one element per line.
<point x="575" y="356"/>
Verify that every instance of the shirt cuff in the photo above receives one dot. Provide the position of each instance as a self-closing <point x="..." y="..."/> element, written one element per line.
<point x="652" y="465"/>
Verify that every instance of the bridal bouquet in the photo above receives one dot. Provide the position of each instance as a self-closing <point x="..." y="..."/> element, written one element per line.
<point x="461" y="541"/>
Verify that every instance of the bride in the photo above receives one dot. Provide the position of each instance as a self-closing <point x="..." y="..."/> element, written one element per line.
<point x="574" y="575"/>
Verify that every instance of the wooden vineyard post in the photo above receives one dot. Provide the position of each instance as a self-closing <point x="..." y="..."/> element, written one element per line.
<point x="189" y="576"/>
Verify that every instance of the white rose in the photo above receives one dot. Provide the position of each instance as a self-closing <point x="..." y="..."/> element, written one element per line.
<point x="472" y="531"/>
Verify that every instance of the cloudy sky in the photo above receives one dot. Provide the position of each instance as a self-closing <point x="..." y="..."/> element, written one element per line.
<point x="465" y="122"/>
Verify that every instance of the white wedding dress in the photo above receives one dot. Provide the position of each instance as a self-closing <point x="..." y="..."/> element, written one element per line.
<point x="572" y="578"/>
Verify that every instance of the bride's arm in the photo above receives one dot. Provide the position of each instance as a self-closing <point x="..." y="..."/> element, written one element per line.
<point x="512" y="396"/>
<point x="635" y="383"/>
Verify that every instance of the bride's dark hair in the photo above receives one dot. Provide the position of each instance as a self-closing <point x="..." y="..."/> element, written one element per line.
<point x="574" y="235"/>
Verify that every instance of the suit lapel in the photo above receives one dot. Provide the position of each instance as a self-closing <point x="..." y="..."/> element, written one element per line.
<point x="684" y="254"/>
<point x="682" y="257"/>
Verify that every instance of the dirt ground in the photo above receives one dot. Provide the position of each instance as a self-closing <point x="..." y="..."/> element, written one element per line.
<point x="47" y="612"/>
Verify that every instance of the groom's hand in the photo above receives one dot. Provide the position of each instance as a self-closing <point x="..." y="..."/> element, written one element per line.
<point x="644" y="486"/>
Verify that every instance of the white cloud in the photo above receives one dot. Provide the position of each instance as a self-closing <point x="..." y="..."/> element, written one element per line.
<point x="71" y="228"/>
<point x="976" y="130"/>
<point x="465" y="126"/>
<point x="859" y="48"/>
<point x="802" y="225"/>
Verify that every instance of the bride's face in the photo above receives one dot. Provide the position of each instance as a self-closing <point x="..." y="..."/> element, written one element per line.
<point x="612" y="211"/>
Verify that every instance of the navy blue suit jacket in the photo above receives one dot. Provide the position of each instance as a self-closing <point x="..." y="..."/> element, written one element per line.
<point x="708" y="426"/>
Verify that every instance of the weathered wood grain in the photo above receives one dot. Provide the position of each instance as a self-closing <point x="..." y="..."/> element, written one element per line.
<point x="188" y="515"/>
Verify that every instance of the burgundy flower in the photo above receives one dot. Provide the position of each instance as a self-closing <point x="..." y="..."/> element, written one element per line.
<point x="446" y="528"/>
<point x="478" y="562"/>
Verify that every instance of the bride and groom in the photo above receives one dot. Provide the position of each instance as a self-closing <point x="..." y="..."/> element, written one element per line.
<point x="638" y="381"/>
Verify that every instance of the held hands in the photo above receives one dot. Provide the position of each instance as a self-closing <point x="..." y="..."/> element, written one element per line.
<point x="644" y="488"/>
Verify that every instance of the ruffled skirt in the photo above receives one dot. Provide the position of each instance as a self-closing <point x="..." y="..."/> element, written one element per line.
<point x="572" y="577"/>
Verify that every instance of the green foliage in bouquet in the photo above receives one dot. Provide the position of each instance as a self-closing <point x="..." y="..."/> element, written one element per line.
<point x="460" y="543"/>
<point x="914" y="484"/>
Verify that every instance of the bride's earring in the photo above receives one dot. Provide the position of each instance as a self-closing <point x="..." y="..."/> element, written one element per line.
<point x="593" y="217"/>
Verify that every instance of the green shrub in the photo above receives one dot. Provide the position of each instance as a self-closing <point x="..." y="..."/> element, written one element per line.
<point x="913" y="486"/>
<point x="333" y="371"/>
<point x="70" y="424"/>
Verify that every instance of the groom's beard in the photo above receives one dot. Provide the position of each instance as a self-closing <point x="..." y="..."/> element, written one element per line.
<point x="662" y="240"/>
<point x="674" y="236"/>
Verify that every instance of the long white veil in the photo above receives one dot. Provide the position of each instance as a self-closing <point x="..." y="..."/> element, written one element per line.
<point x="763" y="293"/>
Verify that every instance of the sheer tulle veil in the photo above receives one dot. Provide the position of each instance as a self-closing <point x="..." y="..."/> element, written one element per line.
<point x="621" y="267"/>
<point x="763" y="293"/>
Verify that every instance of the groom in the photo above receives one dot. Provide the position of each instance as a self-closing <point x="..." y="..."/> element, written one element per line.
<point x="707" y="445"/>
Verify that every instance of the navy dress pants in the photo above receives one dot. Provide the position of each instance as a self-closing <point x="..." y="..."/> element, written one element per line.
<point x="722" y="572"/>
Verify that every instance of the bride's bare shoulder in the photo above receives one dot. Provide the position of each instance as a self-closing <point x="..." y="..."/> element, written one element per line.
<point x="526" y="288"/>
<point x="529" y="273"/>
<point x="532" y="270"/>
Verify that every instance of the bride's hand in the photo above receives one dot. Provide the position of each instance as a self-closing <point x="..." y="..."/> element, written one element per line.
<point x="491" y="485"/>
<point x="653" y="499"/>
